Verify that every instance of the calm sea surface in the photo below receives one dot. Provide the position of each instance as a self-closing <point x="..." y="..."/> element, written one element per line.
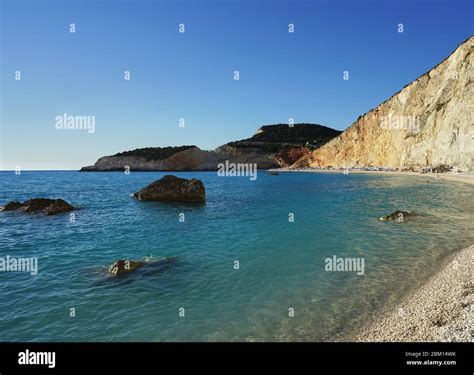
<point x="282" y="264"/>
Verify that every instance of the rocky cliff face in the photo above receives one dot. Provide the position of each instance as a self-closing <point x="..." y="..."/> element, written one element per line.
<point x="428" y="123"/>
<point x="273" y="146"/>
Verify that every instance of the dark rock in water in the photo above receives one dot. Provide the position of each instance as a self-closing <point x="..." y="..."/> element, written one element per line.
<point x="397" y="216"/>
<point x="48" y="206"/>
<point x="173" y="189"/>
<point x="123" y="266"/>
<point x="36" y="204"/>
<point x="59" y="206"/>
<point x="11" y="206"/>
<point x="273" y="174"/>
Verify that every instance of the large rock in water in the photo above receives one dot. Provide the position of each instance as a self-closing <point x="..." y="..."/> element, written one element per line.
<point x="36" y="204"/>
<point x="48" y="206"/>
<point x="173" y="189"/>
<point x="58" y="206"/>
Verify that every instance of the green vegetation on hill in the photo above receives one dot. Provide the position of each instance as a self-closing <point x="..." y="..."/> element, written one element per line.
<point x="154" y="153"/>
<point x="276" y="138"/>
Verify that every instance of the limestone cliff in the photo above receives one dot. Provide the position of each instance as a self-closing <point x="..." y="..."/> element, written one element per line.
<point x="428" y="123"/>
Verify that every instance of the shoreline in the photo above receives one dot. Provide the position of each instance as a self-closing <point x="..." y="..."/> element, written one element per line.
<point x="462" y="177"/>
<point x="441" y="309"/>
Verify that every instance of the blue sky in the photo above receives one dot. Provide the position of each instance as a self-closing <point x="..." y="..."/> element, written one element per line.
<point x="190" y="75"/>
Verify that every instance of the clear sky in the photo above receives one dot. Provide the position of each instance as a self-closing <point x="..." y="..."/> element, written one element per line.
<point x="190" y="75"/>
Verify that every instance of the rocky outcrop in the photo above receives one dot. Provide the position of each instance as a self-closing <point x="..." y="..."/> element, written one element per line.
<point x="279" y="145"/>
<point x="271" y="147"/>
<point x="185" y="160"/>
<point x="125" y="266"/>
<point x="173" y="189"/>
<point x="252" y="155"/>
<point x="397" y="216"/>
<point x="58" y="206"/>
<point x="429" y="122"/>
<point x="45" y="205"/>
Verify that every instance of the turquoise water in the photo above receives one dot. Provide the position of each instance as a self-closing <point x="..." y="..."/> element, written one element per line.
<point x="281" y="263"/>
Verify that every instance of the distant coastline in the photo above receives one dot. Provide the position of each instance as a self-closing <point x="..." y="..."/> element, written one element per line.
<point x="271" y="146"/>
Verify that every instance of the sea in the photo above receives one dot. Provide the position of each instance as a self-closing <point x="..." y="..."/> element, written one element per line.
<point x="251" y="263"/>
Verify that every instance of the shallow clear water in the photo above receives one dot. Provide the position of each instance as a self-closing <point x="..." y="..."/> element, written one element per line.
<point x="281" y="263"/>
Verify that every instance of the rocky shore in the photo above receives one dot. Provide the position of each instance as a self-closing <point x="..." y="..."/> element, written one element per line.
<point x="440" y="310"/>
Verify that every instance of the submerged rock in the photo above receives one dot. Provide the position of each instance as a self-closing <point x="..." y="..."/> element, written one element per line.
<point x="397" y="216"/>
<point x="124" y="266"/>
<point x="46" y="205"/>
<point x="173" y="189"/>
